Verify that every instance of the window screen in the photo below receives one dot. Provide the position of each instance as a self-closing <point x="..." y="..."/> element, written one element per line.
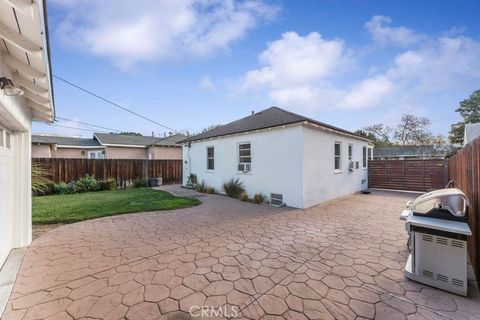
<point x="210" y="158"/>
<point x="337" y="155"/>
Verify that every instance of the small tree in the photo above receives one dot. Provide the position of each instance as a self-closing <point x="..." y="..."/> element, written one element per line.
<point x="380" y="132"/>
<point x="469" y="109"/>
<point x="368" y="135"/>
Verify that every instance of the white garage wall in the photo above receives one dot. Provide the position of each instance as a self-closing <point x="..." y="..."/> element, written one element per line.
<point x="15" y="174"/>
<point x="320" y="181"/>
<point x="276" y="162"/>
<point x="6" y="198"/>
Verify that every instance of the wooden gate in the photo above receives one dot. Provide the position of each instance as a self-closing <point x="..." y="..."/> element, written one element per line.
<point x="412" y="175"/>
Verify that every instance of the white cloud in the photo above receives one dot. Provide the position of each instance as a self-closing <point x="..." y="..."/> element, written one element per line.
<point x="295" y="66"/>
<point x="131" y="32"/>
<point x="313" y="73"/>
<point x="206" y="83"/>
<point x="382" y="33"/>
<point x="297" y="59"/>
<point x="444" y="62"/>
<point x="367" y="93"/>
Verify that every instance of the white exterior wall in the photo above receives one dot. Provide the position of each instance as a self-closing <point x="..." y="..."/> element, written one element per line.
<point x="276" y="162"/>
<point x="15" y="174"/>
<point x="320" y="180"/>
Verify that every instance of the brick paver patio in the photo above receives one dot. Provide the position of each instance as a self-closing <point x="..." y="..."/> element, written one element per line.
<point x="342" y="259"/>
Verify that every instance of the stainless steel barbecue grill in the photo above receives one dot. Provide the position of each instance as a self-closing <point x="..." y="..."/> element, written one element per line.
<point x="448" y="204"/>
<point x="438" y="230"/>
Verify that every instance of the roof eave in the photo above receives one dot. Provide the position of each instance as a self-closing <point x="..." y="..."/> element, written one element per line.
<point x="314" y="123"/>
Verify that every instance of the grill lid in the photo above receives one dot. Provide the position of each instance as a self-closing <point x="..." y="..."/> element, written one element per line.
<point x="450" y="204"/>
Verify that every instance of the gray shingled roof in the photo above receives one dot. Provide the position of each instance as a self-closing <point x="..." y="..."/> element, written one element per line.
<point x="65" y="141"/>
<point x="106" y="138"/>
<point x="410" y="151"/>
<point x="171" y="141"/>
<point x="268" y="118"/>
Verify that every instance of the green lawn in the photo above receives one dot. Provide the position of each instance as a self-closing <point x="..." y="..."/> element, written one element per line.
<point x="83" y="206"/>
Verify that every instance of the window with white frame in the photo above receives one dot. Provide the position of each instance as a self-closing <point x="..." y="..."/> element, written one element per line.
<point x="350" y="152"/>
<point x="338" y="156"/>
<point x="210" y="158"/>
<point x="96" y="155"/>
<point x="244" y="157"/>
<point x="364" y="157"/>
<point x="370" y="153"/>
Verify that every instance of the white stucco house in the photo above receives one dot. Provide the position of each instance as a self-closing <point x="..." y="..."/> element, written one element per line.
<point x="282" y="155"/>
<point x="25" y="95"/>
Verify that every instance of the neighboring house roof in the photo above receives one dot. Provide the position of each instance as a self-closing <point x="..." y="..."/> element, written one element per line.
<point x="268" y="118"/>
<point x="65" y="141"/>
<point x="171" y="141"/>
<point x="124" y="140"/>
<point x="410" y="151"/>
<point x="472" y="131"/>
<point x="105" y="139"/>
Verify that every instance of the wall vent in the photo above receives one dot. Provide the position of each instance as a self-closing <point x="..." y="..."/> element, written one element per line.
<point x="276" y="199"/>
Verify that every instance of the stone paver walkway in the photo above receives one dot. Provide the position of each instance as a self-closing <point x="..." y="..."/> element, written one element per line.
<point x="340" y="260"/>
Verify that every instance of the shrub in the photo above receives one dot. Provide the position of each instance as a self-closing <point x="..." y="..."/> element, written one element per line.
<point x="233" y="188"/>
<point x="87" y="184"/>
<point x="60" y="188"/>
<point x="244" y="196"/>
<point x="110" y="184"/>
<point x="201" y="187"/>
<point x="210" y="190"/>
<point x="71" y="187"/>
<point x="258" y="198"/>
<point x="65" y="188"/>
<point x="41" y="185"/>
<point x="192" y="181"/>
<point x="48" y="190"/>
<point x="140" y="183"/>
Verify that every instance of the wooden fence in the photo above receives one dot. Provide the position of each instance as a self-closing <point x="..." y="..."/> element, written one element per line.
<point x="464" y="169"/>
<point x="412" y="175"/>
<point x="120" y="169"/>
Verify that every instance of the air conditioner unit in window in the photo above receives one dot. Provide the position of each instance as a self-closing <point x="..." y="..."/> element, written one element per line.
<point x="351" y="165"/>
<point x="244" y="167"/>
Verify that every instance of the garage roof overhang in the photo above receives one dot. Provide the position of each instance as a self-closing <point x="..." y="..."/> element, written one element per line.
<point x="24" y="48"/>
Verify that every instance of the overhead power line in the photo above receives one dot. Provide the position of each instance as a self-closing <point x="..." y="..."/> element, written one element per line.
<point x="68" y="127"/>
<point x="112" y="103"/>
<point x="88" y="124"/>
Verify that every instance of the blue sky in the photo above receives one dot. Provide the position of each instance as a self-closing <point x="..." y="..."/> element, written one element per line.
<point x="190" y="64"/>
